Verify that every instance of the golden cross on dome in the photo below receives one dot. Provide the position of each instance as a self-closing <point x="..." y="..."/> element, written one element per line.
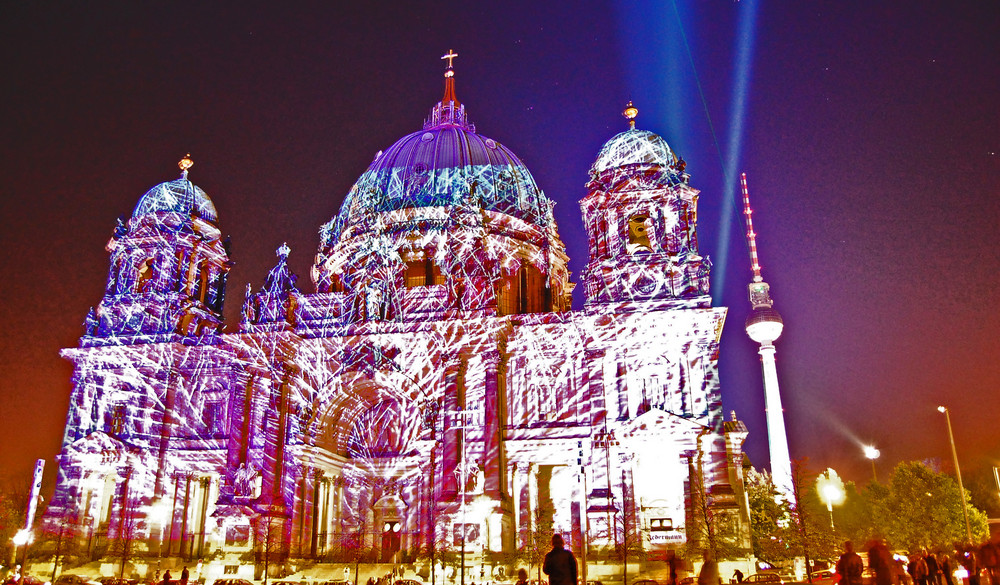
<point x="450" y="56"/>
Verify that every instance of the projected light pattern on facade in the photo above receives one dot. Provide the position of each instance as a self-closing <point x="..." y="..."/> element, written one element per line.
<point x="435" y="384"/>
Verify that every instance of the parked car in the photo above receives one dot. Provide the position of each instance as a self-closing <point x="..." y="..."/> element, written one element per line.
<point x="65" y="579"/>
<point x="646" y="582"/>
<point x="229" y="581"/>
<point x="408" y="582"/>
<point x="28" y="580"/>
<point x="117" y="581"/>
<point x="770" y="578"/>
<point x="824" y="577"/>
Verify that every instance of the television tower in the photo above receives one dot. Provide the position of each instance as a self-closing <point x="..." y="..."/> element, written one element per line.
<point x="764" y="326"/>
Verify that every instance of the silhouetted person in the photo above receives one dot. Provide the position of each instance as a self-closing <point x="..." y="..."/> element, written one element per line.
<point x="709" y="573"/>
<point x="880" y="561"/>
<point x="166" y="578"/>
<point x="672" y="563"/>
<point x="560" y="564"/>
<point x="850" y="567"/>
<point x="184" y="575"/>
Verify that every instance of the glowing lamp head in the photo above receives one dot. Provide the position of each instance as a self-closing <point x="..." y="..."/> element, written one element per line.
<point x="764" y="325"/>
<point x="831" y="488"/>
<point x="871" y="452"/>
<point x="159" y="513"/>
<point x="942" y="409"/>
<point x="22" y="537"/>
<point x="832" y="494"/>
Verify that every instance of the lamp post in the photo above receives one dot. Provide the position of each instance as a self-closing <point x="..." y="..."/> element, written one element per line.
<point x="23" y="538"/>
<point x="831" y="491"/>
<point x="158" y="514"/>
<point x="958" y="473"/>
<point x="872" y="453"/>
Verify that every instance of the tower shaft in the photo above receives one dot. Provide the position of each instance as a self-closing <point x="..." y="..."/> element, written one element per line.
<point x="781" y="466"/>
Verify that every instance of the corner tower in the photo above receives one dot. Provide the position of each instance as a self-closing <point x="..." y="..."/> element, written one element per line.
<point x="640" y="214"/>
<point x="169" y="265"/>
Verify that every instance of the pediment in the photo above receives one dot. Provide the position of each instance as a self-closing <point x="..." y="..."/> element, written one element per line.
<point x="657" y="421"/>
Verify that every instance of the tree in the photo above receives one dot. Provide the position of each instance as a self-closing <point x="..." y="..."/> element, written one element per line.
<point x="123" y="545"/>
<point x="816" y="536"/>
<point x="13" y="503"/>
<point x="982" y="487"/>
<point x="270" y="546"/>
<point x="714" y="524"/>
<point x="539" y="538"/>
<point x="628" y="537"/>
<point x="770" y="535"/>
<point x="782" y="530"/>
<point x="855" y="517"/>
<point x="923" y="509"/>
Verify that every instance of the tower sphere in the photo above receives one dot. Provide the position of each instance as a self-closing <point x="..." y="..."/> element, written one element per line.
<point x="764" y="325"/>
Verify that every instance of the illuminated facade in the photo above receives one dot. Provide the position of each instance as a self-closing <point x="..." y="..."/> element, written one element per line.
<point x="435" y="384"/>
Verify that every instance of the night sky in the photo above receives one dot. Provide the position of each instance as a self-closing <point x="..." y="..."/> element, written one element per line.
<point x="869" y="133"/>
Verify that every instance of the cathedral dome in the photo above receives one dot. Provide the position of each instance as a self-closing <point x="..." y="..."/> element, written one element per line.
<point x="446" y="164"/>
<point x="177" y="196"/>
<point x="634" y="147"/>
<point x="444" y="221"/>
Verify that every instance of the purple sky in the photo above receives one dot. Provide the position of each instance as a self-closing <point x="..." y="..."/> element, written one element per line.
<point x="869" y="135"/>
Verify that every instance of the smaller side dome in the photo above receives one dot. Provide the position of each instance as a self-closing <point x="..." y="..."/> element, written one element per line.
<point x="634" y="147"/>
<point x="178" y="196"/>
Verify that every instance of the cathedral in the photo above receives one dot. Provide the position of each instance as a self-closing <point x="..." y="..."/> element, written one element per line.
<point x="433" y="394"/>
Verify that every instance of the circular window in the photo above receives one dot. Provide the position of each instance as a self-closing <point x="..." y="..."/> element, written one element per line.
<point x="491" y="143"/>
<point x="427" y="137"/>
<point x="645" y="285"/>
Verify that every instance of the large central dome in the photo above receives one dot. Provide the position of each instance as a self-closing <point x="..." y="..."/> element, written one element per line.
<point x="445" y="164"/>
<point x="444" y="222"/>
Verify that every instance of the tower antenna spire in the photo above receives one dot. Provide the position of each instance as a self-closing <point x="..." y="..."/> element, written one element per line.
<point x="751" y="235"/>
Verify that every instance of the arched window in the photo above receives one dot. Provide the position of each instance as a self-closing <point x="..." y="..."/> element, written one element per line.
<point x="422" y="273"/>
<point x="638" y="239"/>
<point x="201" y="282"/>
<point x="508" y="294"/>
<point x="523" y="292"/>
<point x="144" y="280"/>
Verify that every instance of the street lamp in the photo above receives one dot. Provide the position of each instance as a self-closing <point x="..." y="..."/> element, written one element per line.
<point x="872" y="453"/>
<point x="23" y="538"/>
<point x="159" y="514"/>
<point x="831" y="490"/>
<point x="958" y="473"/>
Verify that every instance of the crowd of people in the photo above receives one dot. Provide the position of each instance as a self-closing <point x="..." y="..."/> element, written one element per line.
<point x="923" y="567"/>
